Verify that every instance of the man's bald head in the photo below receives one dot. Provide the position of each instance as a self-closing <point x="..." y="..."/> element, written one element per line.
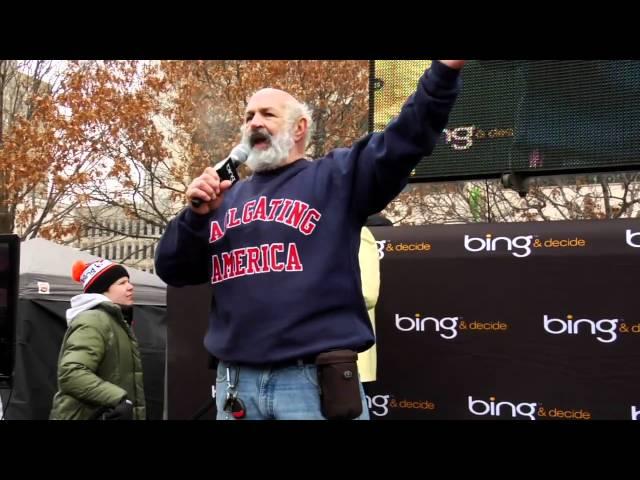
<point x="273" y="94"/>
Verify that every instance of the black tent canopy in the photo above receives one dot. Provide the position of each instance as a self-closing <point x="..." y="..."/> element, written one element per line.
<point x="44" y="294"/>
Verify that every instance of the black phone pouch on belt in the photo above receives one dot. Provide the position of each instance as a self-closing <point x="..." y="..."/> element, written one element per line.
<point x="339" y="384"/>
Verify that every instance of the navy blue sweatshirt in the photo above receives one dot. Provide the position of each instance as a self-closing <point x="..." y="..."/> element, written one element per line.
<point x="281" y="252"/>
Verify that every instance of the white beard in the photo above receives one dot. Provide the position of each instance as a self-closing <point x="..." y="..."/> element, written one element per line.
<point x="273" y="156"/>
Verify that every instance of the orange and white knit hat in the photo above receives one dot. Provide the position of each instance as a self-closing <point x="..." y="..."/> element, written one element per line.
<point x="98" y="276"/>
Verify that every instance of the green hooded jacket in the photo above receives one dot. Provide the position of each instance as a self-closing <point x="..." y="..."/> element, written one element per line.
<point x="99" y="362"/>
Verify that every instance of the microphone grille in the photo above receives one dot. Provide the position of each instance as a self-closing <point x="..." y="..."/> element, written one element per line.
<point x="240" y="153"/>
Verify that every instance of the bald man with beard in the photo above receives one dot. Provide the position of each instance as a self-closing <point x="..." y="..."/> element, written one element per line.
<point x="280" y="250"/>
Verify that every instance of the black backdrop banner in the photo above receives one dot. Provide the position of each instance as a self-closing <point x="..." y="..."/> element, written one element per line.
<point x="529" y="321"/>
<point x="520" y="321"/>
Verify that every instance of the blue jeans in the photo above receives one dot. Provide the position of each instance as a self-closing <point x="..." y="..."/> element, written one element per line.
<point x="287" y="393"/>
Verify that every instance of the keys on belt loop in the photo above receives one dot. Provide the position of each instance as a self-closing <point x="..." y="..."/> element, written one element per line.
<point x="233" y="404"/>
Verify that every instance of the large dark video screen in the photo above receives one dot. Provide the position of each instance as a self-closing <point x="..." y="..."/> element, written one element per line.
<point x="529" y="116"/>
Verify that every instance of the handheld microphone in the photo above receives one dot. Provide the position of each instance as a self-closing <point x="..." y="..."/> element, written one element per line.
<point x="226" y="169"/>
